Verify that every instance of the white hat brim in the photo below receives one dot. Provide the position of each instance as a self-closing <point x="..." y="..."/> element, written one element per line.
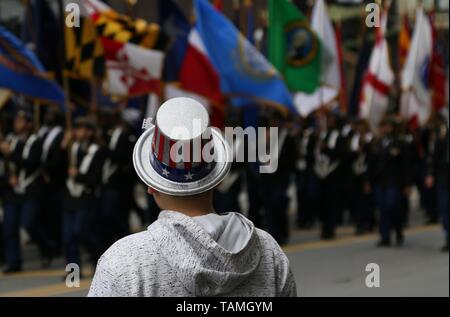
<point x="146" y="172"/>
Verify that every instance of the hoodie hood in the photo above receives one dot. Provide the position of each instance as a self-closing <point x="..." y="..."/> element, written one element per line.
<point x="210" y="255"/>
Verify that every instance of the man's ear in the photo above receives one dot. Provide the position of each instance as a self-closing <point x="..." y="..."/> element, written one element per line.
<point x="151" y="191"/>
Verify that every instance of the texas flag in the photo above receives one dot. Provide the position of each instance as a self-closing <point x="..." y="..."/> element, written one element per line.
<point x="197" y="72"/>
<point x="378" y="80"/>
<point x="416" y="97"/>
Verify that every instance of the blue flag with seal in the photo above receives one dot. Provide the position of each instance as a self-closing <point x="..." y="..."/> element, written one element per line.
<point x="22" y="72"/>
<point x="244" y="71"/>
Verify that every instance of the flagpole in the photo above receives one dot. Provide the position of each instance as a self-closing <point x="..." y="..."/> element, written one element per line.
<point x="65" y="79"/>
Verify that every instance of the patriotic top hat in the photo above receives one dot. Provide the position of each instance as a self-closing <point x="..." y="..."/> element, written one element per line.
<point x="181" y="155"/>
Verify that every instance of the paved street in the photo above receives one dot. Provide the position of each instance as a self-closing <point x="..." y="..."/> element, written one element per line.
<point x="335" y="268"/>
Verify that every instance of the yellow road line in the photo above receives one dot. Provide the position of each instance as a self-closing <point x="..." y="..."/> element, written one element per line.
<point x="302" y="246"/>
<point x="41" y="273"/>
<point x="49" y="290"/>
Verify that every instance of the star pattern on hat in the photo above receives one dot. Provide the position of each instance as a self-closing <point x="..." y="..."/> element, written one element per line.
<point x="189" y="176"/>
<point x="165" y="172"/>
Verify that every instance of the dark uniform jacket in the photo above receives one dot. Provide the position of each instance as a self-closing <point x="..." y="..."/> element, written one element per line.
<point x="24" y="162"/>
<point x="82" y="191"/>
<point x="307" y="141"/>
<point x="392" y="163"/>
<point x="117" y="167"/>
<point x="438" y="162"/>
<point x="54" y="158"/>
<point x="329" y="156"/>
<point x="287" y="158"/>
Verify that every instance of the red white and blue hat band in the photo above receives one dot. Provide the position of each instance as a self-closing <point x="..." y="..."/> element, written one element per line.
<point x="187" y="169"/>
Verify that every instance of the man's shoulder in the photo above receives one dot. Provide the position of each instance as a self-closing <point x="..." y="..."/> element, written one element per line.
<point x="130" y="247"/>
<point x="268" y="242"/>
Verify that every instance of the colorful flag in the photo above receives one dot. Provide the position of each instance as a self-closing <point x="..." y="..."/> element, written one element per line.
<point x="294" y="49"/>
<point x="174" y="24"/>
<point x="197" y="72"/>
<point x="243" y="70"/>
<point x="133" y="50"/>
<point x="361" y="69"/>
<point x="132" y="69"/>
<point x="378" y="80"/>
<point x="22" y="72"/>
<point x="404" y="42"/>
<point x="438" y="77"/>
<point x="218" y="4"/>
<point x="415" y="78"/>
<point x="124" y="29"/>
<point x="343" y="97"/>
<point x="85" y="57"/>
<point x="330" y="76"/>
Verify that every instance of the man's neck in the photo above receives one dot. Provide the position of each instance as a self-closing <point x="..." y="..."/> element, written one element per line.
<point x="192" y="209"/>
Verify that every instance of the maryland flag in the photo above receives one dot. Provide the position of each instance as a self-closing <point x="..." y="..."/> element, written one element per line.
<point x="133" y="50"/>
<point x="84" y="51"/>
<point x="124" y="29"/>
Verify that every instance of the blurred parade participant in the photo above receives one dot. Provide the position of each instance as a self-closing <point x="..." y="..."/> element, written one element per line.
<point x="363" y="208"/>
<point x="117" y="183"/>
<point x="409" y="137"/>
<point x="252" y="175"/>
<point x="5" y="135"/>
<point x="427" y="193"/>
<point x="54" y="163"/>
<point x="306" y="180"/>
<point x="81" y="192"/>
<point x="329" y="153"/>
<point x="23" y="153"/>
<point x="274" y="185"/>
<point x="226" y="195"/>
<point x="438" y="172"/>
<point x="392" y="181"/>
<point x="190" y="250"/>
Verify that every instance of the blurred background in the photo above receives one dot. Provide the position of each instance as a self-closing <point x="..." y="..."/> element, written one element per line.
<point x="359" y="94"/>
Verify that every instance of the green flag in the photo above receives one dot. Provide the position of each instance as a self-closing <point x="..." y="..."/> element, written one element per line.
<point x="294" y="49"/>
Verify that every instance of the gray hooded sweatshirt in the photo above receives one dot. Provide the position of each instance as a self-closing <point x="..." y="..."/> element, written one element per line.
<point x="202" y="256"/>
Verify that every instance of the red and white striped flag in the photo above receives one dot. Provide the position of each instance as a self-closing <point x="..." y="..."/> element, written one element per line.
<point x="377" y="82"/>
<point x="197" y="72"/>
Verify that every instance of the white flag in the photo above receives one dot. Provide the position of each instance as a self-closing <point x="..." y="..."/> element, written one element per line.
<point x="377" y="81"/>
<point x="416" y="96"/>
<point x="331" y="74"/>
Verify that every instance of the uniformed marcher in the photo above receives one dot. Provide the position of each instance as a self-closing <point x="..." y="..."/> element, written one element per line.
<point x="54" y="162"/>
<point x="117" y="182"/>
<point x="392" y="179"/>
<point x="363" y="205"/>
<point x="5" y="135"/>
<point x="24" y="173"/>
<point x="80" y="197"/>
<point x="329" y="153"/>
<point x="274" y="184"/>
<point x="306" y="179"/>
<point x="438" y="172"/>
